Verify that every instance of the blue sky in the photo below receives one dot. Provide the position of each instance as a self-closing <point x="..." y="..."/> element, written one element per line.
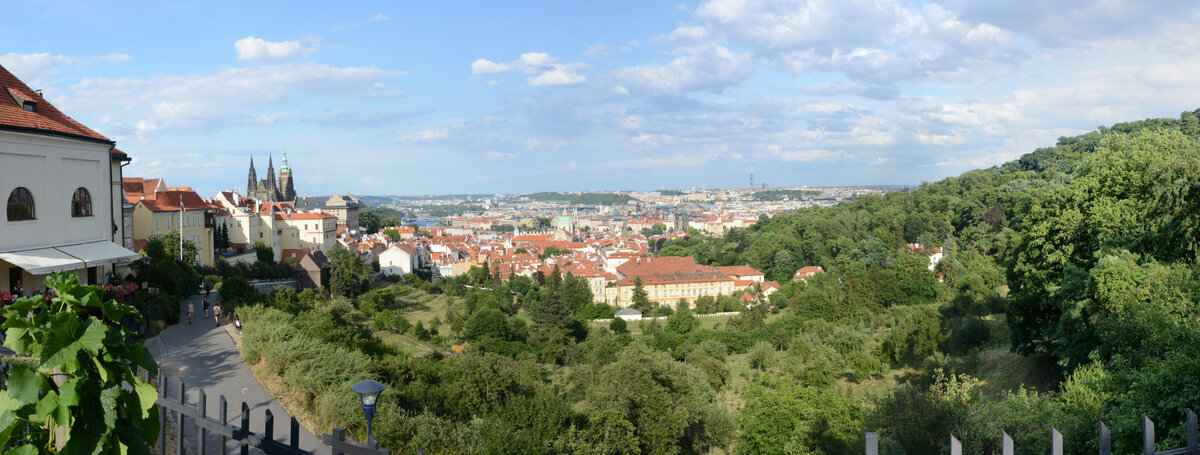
<point x="449" y="97"/>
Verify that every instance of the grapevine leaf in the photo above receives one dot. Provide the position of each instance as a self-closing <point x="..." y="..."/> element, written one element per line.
<point x="93" y="337"/>
<point x="103" y="370"/>
<point x="24" y="384"/>
<point x="108" y="401"/>
<point x="7" y="418"/>
<point x="23" y="450"/>
<point x="147" y="395"/>
<point x="18" y="339"/>
<point x="69" y="393"/>
<point x="8" y="403"/>
<point x="45" y="407"/>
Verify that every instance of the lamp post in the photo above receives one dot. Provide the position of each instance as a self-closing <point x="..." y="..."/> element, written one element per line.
<point x="368" y="392"/>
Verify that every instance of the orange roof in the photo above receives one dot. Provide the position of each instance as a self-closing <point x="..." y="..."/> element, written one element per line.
<point x="44" y="119"/>
<point x="739" y="270"/>
<point x="808" y="271"/>
<point x="168" y="201"/>
<point x="302" y="216"/>
<point x="669" y="270"/>
<point x="295" y="253"/>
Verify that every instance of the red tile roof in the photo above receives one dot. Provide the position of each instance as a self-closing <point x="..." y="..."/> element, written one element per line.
<point x="168" y="201"/>
<point x="669" y="270"/>
<point x="739" y="270"/>
<point x="45" y="118"/>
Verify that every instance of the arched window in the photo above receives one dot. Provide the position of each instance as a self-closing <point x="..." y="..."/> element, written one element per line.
<point x="20" y="205"/>
<point x="81" y="203"/>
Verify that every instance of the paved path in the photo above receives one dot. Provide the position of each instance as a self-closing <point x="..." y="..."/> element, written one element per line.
<point x="204" y="355"/>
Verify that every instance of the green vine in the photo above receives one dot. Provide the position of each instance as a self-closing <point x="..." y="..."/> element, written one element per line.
<point x="101" y="407"/>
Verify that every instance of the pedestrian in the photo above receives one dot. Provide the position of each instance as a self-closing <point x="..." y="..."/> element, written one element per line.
<point x="18" y="290"/>
<point x="191" y="307"/>
<point x="237" y="323"/>
<point x="217" y="312"/>
<point x="205" y="306"/>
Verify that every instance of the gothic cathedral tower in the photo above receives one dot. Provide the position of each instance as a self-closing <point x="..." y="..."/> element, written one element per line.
<point x="285" y="182"/>
<point x="272" y="189"/>
<point x="252" y="180"/>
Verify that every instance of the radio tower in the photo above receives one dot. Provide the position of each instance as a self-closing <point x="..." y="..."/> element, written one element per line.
<point x="751" y="177"/>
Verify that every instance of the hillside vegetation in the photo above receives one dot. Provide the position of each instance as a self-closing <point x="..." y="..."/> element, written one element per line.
<point x="1068" y="296"/>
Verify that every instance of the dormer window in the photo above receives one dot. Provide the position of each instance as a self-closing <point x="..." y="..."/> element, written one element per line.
<point x="28" y="106"/>
<point x="26" y="102"/>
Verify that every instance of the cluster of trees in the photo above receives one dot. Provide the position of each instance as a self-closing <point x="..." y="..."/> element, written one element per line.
<point x="375" y="218"/>
<point x="582" y="198"/>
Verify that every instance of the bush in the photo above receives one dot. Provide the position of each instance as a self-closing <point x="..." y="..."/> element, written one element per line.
<point x="968" y="335"/>
<point x="762" y="356"/>
<point x="618" y="326"/>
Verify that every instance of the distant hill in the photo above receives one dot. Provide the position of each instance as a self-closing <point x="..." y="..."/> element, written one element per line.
<point x="582" y="198"/>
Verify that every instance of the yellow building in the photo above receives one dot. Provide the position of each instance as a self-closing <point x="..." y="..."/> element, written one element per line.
<point x="173" y="209"/>
<point x="314" y="231"/>
<point x="668" y="279"/>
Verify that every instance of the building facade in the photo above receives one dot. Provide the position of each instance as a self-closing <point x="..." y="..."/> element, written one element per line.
<point x="62" y="183"/>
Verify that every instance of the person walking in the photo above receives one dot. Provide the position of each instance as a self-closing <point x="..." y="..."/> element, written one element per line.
<point x="191" y="308"/>
<point x="217" y="313"/>
<point x="205" y="306"/>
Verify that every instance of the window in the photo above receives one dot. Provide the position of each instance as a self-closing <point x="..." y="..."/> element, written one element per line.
<point x="20" y="205"/>
<point x="81" y="203"/>
<point x="156" y="224"/>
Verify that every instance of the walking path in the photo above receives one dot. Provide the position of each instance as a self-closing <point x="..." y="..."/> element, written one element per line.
<point x="204" y="355"/>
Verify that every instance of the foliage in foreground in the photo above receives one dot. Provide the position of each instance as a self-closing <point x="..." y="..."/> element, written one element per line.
<point x="76" y="339"/>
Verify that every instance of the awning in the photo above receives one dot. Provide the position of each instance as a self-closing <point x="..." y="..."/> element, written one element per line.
<point x="43" y="261"/>
<point x="98" y="253"/>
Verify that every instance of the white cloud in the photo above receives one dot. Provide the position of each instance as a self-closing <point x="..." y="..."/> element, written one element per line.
<point x="378" y="17"/>
<point x="804" y="155"/>
<point x="620" y="90"/>
<point x="36" y="70"/>
<point x="596" y="50"/>
<point x="253" y="49"/>
<point x="422" y="136"/>
<point x="536" y="59"/>
<point x="687" y="34"/>
<point x="558" y="76"/>
<point x="712" y="68"/>
<point x="485" y="66"/>
<point x="231" y="96"/>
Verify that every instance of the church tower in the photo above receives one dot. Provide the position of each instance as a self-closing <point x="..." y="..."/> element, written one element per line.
<point x="272" y="190"/>
<point x="252" y="180"/>
<point x="285" y="182"/>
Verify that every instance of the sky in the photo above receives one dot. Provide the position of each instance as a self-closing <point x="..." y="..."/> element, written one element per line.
<point x="404" y="98"/>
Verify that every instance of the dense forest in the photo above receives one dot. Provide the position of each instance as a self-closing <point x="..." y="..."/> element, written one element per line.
<point x="582" y="198"/>
<point x="1067" y="295"/>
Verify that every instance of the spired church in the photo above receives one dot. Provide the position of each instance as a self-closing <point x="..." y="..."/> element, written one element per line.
<point x="270" y="189"/>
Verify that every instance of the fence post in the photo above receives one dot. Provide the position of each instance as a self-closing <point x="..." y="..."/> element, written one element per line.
<point x="162" y="415"/>
<point x="245" y="429"/>
<point x="1147" y="436"/>
<point x="295" y="435"/>
<point x="269" y="426"/>
<point x="1193" y="438"/>
<point x="224" y="412"/>
<point x="1056" y="442"/>
<point x="1006" y="443"/>
<point x="872" y="443"/>
<point x="182" y="401"/>
<point x="1105" y="440"/>
<point x="203" y="415"/>
<point x="336" y="440"/>
<point x="955" y="446"/>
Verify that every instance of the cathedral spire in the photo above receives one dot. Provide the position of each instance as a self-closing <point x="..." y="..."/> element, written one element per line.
<point x="252" y="179"/>
<point x="283" y="168"/>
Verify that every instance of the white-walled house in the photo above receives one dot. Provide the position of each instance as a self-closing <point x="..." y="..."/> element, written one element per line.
<point x="62" y="184"/>
<point x="399" y="260"/>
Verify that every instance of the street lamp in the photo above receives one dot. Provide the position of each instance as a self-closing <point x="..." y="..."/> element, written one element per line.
<point x="368" y="392"/>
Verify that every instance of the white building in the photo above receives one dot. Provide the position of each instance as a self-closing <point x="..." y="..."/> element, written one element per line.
<point x="399" y="260"/>
<point x="62" y="183"/>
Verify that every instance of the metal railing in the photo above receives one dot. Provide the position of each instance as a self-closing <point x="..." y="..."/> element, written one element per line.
<point x="1104" y="440"/>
